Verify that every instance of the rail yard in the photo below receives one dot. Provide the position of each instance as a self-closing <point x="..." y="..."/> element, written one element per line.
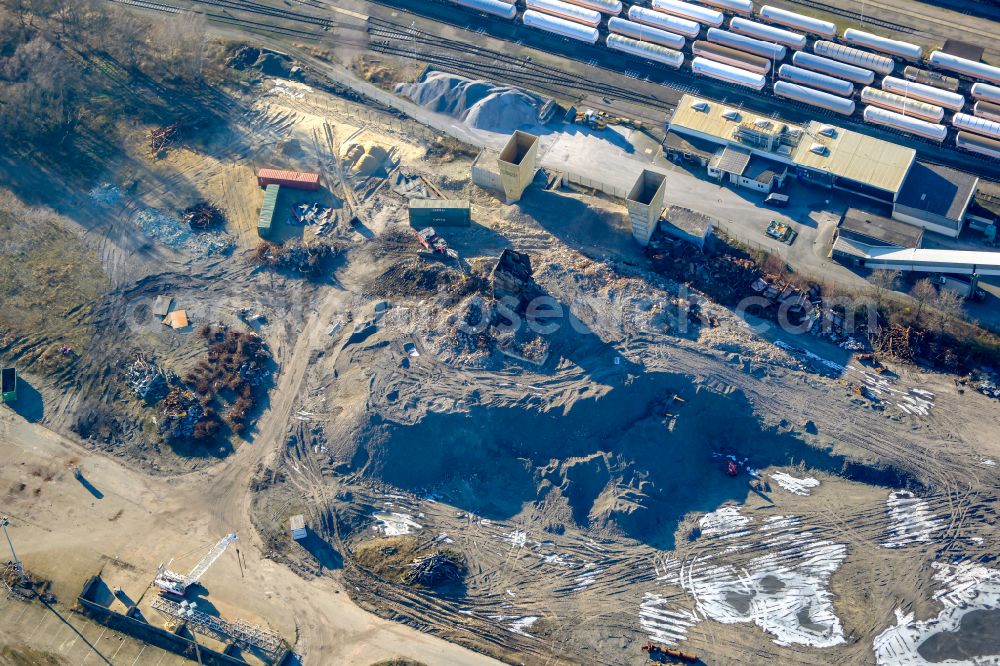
<point x="469" y="332"/>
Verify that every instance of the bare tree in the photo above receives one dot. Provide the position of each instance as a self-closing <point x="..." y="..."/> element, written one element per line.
<point x="179" y="44"/>
<point x="882" y="282"/>
<point x="948" y="305"/>
<point x="923" y="292"/>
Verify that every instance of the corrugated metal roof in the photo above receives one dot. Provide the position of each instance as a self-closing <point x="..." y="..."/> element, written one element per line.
<point x="850" y="155"/>
<point x="732" y="160"/>
<point x="857" y="157"/>
<point x="439" y="203"/>
<point x="984" y="263"/>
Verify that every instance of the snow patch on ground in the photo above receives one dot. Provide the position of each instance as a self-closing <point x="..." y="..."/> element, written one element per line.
<point x="912" y="520"/>
<point x="784" y="591"/>
<point x="802" y="487"/>
<point x="724" y="522"/>
<point x="663" y="622"/>
<point x="395" y="524"/>
<point x="963" y="588"/>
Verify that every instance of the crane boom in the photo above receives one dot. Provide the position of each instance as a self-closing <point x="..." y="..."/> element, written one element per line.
<point x="207" y="561"/>
<point x="174" y="583"/>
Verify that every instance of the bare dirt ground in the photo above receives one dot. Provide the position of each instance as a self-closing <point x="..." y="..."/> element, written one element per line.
<point x="586" y="494"/>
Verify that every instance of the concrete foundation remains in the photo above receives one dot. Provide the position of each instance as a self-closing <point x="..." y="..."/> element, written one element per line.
<point x="645" y="204"/>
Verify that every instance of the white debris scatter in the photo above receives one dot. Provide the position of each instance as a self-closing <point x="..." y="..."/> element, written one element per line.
<point x="912" y="520"/>
<point x="784" y="590"/>
<point x="587" y="578"/>
<point x="795" y="486"/>
<point x="478" y="104"/>
<point x="815" y="358"/>
<point x="988" y="463"/>
<point x="522" y="624"/>
<point x="395" y="524"/>
<point x="963" y="588"/>
<point x="516" y="538"/>
<point x="106" y="193"/>
<point x="662" y="622"/>
<point x="912" y="401"/>
<point x="724" y="522"/>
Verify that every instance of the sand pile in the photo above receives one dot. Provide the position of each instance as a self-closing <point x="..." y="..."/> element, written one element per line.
<point x="479" y="104"/>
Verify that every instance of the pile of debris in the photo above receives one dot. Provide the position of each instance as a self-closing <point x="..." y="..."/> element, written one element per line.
<point x="161" y="138"/>
<point x="146" y="378"/>
<point x="308" y="260"/>
<point x="896" y="341"/>
<point x="312" y="213"/>
<point x="227" y="378"/>
<point x="202" y="215"/>
<point x="183" y="417"/>
<point x="512" y="279"/>
<point x="988" y="385"/>
<point x="435" y="569"/>
<point x="724" y="277"/>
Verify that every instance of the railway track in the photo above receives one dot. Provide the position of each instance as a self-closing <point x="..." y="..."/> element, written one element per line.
<point x="248" y="24"/>
<point x="854" y="16"/>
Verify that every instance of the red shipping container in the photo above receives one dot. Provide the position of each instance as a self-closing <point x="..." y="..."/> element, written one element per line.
<point x="296" y="179"/>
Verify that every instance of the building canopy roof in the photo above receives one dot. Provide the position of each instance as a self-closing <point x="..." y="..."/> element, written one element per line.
<point x="817" y="146"/>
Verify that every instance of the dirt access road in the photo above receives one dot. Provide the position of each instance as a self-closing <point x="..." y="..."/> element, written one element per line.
<point x="65" y="534"/>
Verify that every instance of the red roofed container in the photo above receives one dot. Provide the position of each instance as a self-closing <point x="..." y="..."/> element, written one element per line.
<point x="295" y="179"/>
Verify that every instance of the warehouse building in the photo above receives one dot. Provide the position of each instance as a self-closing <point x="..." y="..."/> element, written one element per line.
<point x="860" y="231"/>
<point x="936" y="198"/>
<point x="440" y="213"/>
<point x="819" y="153"/>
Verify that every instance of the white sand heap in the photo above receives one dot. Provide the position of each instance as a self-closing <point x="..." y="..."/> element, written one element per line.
<point x="479" y="104"/>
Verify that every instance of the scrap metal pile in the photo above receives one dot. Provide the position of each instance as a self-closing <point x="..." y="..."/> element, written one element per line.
<point x="146" y="378"/>
<point x="896" y="341"/>
<point x="300" y="258"/>
<point x="202" y="215"/>
<point x="435" y="569"/>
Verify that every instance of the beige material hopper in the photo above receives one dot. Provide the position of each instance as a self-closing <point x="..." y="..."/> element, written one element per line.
<point x="645" y="204"/>
<point x="517" y="164"/>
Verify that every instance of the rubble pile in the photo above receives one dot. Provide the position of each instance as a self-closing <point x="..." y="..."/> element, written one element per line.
<point x="230" y="375"/>
<point x="202" y="215"/>
<point x="183" y="417"/>
<point x="988" y="385"/>
<point x="435" y="569"/>
<point x="146" y="378"/>
<point x="897" y="342"/>
<point x="307" y="260"/>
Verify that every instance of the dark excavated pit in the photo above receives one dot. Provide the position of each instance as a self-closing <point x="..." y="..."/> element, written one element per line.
<point x="634" y="460"/>
<point x="977" y="636"/>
